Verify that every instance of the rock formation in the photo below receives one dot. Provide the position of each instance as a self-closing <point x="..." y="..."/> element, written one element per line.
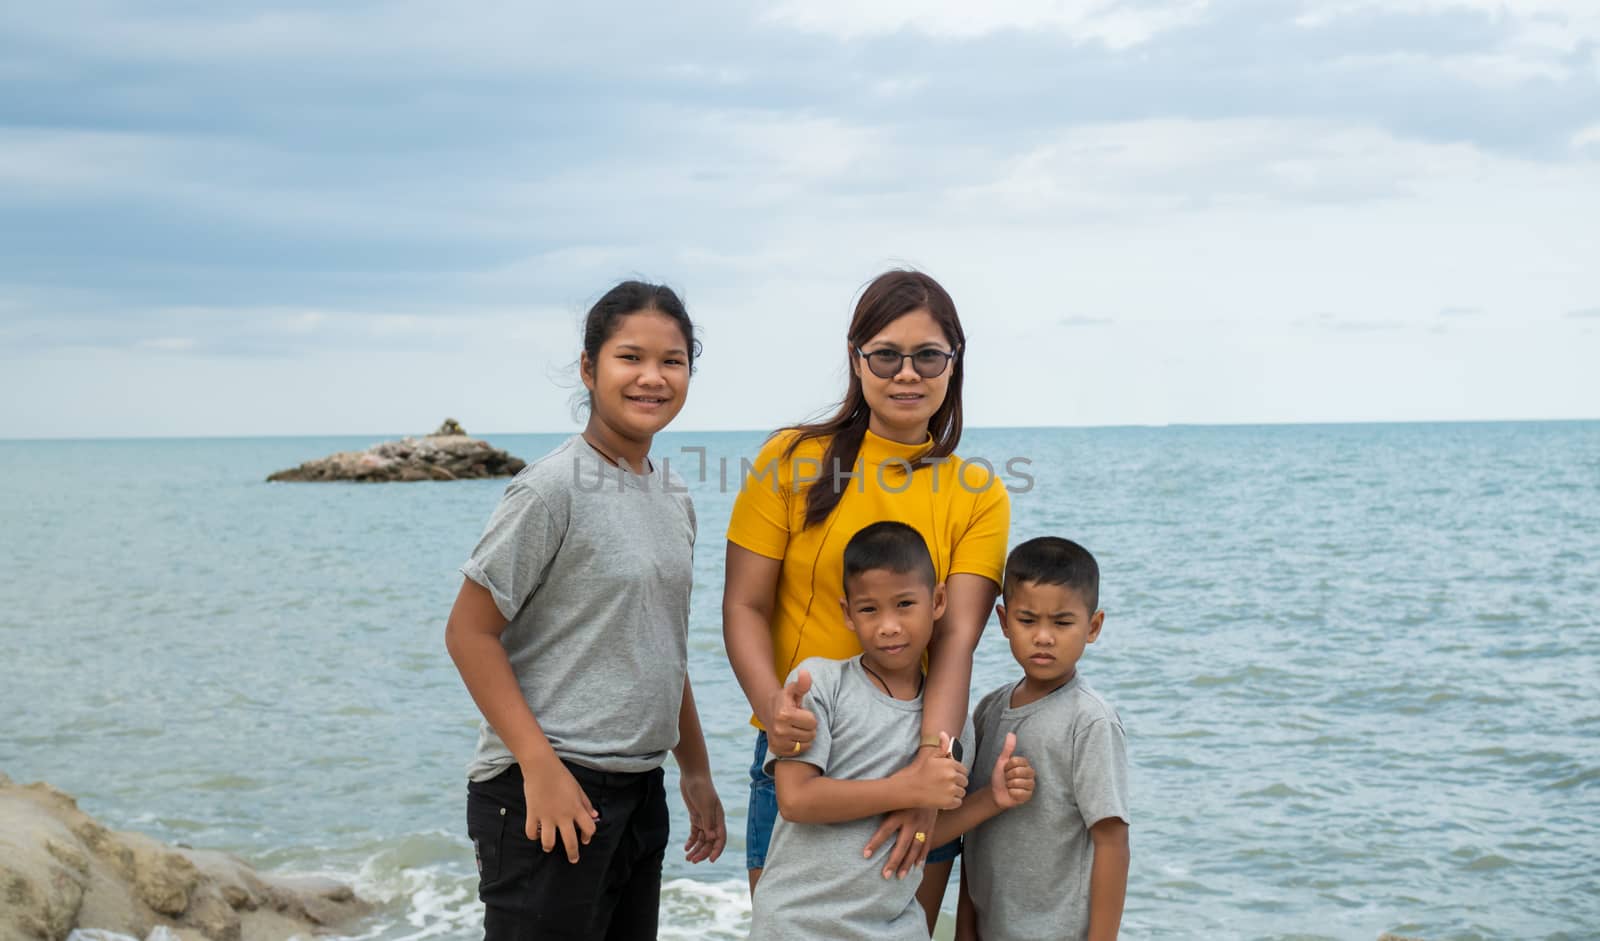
<point x="447" y="454"/>
<point x="61" y="870"/>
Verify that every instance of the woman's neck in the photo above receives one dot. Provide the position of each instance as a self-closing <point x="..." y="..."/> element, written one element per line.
<point x="903" y="435"/>
<point x="616" y="448"/>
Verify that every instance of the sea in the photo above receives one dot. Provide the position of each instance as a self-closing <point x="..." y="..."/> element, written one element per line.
<point x="1358" y="666"/>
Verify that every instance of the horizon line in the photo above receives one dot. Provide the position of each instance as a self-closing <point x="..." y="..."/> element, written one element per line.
<point x="570" y="431"/>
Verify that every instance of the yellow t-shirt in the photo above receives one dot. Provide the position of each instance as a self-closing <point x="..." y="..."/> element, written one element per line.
<point x="962" y="510"/>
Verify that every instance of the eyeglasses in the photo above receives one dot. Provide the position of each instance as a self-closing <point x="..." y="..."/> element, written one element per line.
<point x="929" y="363"/>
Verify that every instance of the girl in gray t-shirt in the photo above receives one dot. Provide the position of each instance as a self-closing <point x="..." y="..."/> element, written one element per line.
<point x="570" y="632"/>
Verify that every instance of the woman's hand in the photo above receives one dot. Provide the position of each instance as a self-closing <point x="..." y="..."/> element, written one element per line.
<point x="908" y="852"/>
<point x="708" y="833"/>
<point x="557" y="807"/>
<point x="793" y="726"/>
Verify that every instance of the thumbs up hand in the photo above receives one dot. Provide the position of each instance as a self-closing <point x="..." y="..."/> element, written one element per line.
<point x="1011" y="784"/>
<point x="793" y="726"/>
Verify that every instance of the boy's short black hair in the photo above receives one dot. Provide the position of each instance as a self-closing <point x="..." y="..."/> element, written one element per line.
<point x="1051" y="560"/>
<point x="890" y="546"/>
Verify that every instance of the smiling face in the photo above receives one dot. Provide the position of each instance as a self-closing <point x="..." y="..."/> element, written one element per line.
<point x="638" y="382"/>
<point x="1048" y="627"/>
<point x="902" y="405"/>
<point x="893" y="614"/>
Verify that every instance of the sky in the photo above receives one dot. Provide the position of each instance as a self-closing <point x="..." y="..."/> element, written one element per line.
<point x="229" y="218"/>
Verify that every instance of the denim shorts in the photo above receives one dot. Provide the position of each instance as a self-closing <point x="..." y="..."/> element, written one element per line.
<point x="763" y="813"/>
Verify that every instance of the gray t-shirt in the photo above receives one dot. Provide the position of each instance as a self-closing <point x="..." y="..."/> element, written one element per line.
<point x="591" y="566"/>
<point x="816" y="883"/>
<point x="1028" y="868"/>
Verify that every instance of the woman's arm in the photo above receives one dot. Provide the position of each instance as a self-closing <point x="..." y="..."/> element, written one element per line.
<point x="750" y="587"/>
<point x="708" y="832"/>
<point x="968" y="601"/>
<point x="557" y="805"/>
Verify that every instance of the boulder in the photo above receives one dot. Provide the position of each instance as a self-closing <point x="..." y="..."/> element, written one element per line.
<point x="447" y="454"/>
<point x="61" y="870"/>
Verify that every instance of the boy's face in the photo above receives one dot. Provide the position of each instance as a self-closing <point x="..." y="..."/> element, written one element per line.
<point x="1048" y="627"/>
<point x="892" y="615"/>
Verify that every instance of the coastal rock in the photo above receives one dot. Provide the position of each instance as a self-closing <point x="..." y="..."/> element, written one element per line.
<point x="61" y="870"/>
<point x="447" y="454"/>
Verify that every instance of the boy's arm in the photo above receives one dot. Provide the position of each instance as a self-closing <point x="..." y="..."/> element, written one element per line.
<point x="966" y="915"/>
<point x="1108" y="878"/>
<point x="978" y="807"/>
<point x="806" y="795"/>
<point x="1009" y="785"/>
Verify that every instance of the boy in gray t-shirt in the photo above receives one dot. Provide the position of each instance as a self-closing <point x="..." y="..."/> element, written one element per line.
<point x="818" y="882"/>
<point x="1056" y="868"/>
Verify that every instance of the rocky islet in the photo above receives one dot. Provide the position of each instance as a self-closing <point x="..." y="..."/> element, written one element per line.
<point x="447" y="454"/>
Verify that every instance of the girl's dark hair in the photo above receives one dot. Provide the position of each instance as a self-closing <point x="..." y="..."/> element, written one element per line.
<point x="632" y="297"/>
<point x="889" y="297"/>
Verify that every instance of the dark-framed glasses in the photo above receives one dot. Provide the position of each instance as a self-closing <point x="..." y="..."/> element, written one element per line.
<point x="929" y="363"/>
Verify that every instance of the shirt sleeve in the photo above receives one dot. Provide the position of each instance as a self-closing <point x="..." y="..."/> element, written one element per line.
<point x="981" y="548"/>
<point x="824" y="689"/>
<point x="760" y="519"/>
<point x="1100" y="771"/>
<point x="516" y="549"/>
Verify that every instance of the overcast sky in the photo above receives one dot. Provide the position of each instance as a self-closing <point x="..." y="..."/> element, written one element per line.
<point x="237" y="219"/>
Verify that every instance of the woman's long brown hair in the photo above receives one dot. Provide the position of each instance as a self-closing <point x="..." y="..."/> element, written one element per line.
<point x="889" y="297"/>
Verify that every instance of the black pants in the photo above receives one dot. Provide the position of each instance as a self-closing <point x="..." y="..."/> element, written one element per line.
<point x="613" y="892"/>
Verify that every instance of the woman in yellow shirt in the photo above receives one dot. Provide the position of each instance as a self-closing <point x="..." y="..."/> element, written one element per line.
<point x="887" y="454"/>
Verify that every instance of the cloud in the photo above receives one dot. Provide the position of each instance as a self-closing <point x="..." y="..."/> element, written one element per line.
<point x="1584" y="313"/>
<point x="1117" y="25"/>
<point x="1586" y="142"/>
<point x="276" y="332"/>
<point x="1338" y="324"/>
<point x="1460" y="311"/>
<point x="244" y="182"/>
<point x="1533" y="40"/>
<point x="1186" y="165"/>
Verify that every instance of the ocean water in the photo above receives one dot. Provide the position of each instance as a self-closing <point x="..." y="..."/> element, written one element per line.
<point x="1359" y="666"/>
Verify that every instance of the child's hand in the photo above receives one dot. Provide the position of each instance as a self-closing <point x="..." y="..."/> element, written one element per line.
<point x="937" y="784"/>
<point x="793" y="726"/>
<point x="708" y="833"/>
<point x="557" y="807"/>
<point x="1012" y="781"/>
